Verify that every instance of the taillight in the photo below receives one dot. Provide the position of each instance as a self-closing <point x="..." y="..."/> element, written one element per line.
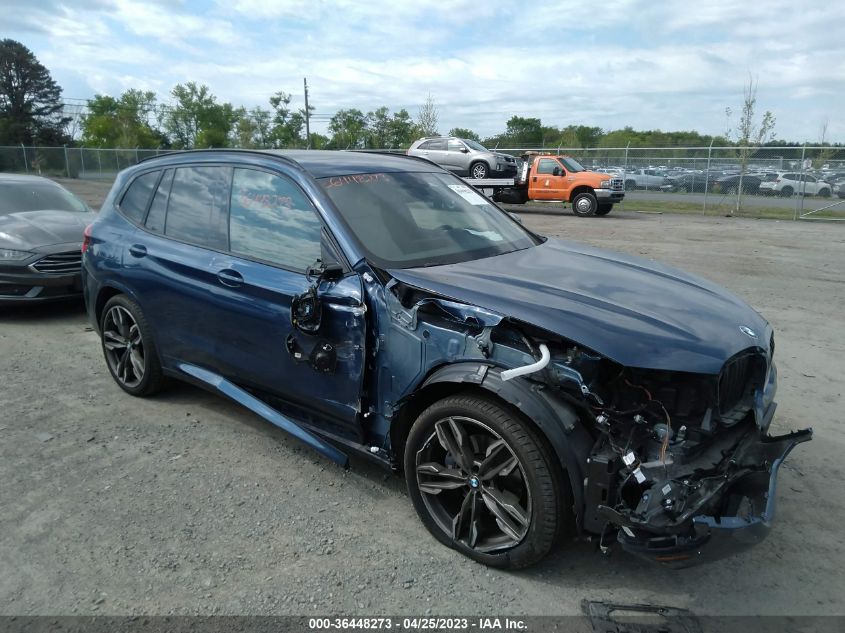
<point x="86" y="238"/>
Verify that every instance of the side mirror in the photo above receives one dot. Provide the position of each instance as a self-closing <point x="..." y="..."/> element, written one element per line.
<point x="306" y="309"/>
<point x="306" y="312"/>
<point x="516" y="217"/>
<point x="556" y="171"/>
<point x="465" y="150"/>
<point x="331" y="271"/>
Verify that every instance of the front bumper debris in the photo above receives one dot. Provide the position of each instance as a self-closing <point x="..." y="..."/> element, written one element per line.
<point x="728" y="512"/>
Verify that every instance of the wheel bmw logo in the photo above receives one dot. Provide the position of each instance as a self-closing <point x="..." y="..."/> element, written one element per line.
<point x="473" y="482"/>
<point x="747" y="331"/>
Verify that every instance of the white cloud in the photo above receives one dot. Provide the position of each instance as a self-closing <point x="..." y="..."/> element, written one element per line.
<point x="667" y="65"/>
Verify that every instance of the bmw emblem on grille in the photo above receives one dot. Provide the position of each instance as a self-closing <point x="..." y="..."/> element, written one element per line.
<point x="747" y="331"/>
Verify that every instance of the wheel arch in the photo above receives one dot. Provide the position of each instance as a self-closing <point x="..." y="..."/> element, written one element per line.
<point x="552" y="418"/>
<point x="581" y="189"/>
<point x="105" y="293"/>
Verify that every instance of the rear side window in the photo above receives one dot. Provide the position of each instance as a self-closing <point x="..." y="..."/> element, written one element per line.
<point x="158" y="209"/>
<point x="271" y="219"/>
<point x="137" y="197"/>
<point x="198" y="205"/>
<point x="426" y="145"/>
<point x="438" y="145"/>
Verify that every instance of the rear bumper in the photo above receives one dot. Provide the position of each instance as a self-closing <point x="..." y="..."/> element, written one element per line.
<point x="746" y="501"/>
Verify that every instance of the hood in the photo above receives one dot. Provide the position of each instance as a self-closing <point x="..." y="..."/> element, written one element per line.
<point x="636" y="312"/>
<point x="28" y="230"/>
<point x="504" y="157"/>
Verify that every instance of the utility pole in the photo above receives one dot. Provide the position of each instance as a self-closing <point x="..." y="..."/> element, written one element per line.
<point x="307" y="115"/>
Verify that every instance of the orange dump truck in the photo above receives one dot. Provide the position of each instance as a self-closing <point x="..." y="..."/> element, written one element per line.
<point x="547" y="177"/>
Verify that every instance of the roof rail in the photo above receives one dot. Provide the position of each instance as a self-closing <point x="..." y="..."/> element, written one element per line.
<point x="263" y="152"/>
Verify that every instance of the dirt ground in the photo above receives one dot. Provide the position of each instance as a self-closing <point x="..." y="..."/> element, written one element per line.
<point x="185" y="503"/>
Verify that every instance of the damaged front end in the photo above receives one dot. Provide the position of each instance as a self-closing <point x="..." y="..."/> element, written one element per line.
<point x="677" y="467"/>
<point x="683" y="470"/>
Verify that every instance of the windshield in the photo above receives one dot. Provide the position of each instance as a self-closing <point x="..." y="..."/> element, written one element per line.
<point x="37" y="196"/>
<point x="570" y="164"/>
<point x="475" y="145"/>
<point x="403" y="220"/>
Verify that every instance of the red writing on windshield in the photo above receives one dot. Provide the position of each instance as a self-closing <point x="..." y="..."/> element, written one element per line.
<point x="357" y="179"/>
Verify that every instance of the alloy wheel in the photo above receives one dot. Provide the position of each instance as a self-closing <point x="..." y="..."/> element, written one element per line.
<point x="123" y="346"/>
<point x="473" y="485"/>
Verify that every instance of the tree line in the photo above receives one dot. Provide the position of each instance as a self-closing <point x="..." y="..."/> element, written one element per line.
<point x="32" y="112"/>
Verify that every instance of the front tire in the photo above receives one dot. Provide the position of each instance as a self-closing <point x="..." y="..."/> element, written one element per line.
<point x="585" y="204"/>
<point x="479" y="170"/>
<point x="604" y="209"/>
<point x="825" y="193"/>
<point x="630" y="185"/>
<point x="484" y="483"/>
<point x="128" y="347"/>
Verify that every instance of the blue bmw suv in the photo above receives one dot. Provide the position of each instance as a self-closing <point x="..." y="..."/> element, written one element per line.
<point x="375" y="304"/>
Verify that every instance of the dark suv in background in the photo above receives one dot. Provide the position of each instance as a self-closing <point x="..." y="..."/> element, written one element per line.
<point x="378" y="305"/>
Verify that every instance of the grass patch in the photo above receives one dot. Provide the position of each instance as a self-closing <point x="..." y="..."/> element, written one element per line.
<point x="723" y="208"/>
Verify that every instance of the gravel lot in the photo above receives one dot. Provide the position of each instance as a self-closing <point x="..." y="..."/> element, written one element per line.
<point x="185" y="503"/>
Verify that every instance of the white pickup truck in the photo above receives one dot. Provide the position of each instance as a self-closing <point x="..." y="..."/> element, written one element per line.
<point x="644" y="179"/>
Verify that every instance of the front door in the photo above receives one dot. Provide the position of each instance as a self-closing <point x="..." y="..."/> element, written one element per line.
<point x="549" y="180"/>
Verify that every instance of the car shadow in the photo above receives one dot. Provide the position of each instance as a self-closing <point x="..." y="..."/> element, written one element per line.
<point x="43" y="313"/>
<point x="189" y="396"/>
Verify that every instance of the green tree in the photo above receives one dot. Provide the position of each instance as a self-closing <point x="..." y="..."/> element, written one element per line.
<point x="197" y="119"/>
<point x="288" y="125"/>
<point x="402" y="130"/>
<point x="524" y="132"/>
<point x="348" y="129"/>
<point x="378" y="128"/>
<point x="30" y="100"/>
<point x="123" y="122"/>
<point x="253" y="127"/>
<point x="389" y="132"/>
<point x="463" y="132"/>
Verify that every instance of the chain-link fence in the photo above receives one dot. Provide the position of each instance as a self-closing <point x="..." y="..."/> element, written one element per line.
<point x="771" y="181"/>
<point x="71" y="162"/>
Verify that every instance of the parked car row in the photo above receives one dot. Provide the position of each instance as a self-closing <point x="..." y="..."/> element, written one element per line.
<point x="782" y="183"/>
<point x="41" y="226"/>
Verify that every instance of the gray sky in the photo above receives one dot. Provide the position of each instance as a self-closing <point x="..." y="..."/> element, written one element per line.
<point x="668" y="65"/>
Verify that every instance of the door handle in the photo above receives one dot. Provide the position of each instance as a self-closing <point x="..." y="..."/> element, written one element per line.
<point x="229" y="277"/>
<point x="137" y="250"/>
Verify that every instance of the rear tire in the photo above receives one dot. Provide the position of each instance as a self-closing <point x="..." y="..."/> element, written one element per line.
<point x="825" y="193"/>
<point x="128" y="347"/>
<point x="604" y="209"/>
<point x="787" y="192"/>
<point x="585" y="204"/>
<point x="508" y="514"/>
